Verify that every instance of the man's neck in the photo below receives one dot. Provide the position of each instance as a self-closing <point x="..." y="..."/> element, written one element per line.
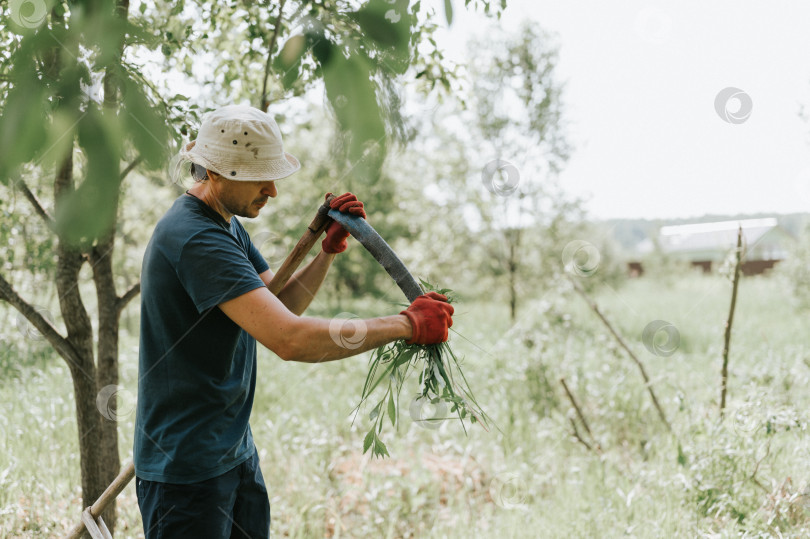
<point x="200" y="192"/>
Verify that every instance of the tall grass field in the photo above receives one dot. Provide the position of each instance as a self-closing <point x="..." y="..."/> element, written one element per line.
<point x="539" y="472"/>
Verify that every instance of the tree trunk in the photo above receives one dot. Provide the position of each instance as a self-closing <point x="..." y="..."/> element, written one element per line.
<point x="96" y="410"/>
<point x="93" y="445"/>
<point x="513" y="238"/>
<point x="108" y="316"/>
<point x="107" y="370"/>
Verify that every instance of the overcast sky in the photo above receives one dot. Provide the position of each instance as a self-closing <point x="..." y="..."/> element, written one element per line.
<point x="642" y="80"/>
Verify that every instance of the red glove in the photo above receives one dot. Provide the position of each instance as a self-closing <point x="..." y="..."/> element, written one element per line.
<point x="335" y="241"/>
<point x="430" y="316"/>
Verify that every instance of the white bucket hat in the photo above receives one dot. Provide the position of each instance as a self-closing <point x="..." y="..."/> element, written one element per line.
<point x="240" y="143"/>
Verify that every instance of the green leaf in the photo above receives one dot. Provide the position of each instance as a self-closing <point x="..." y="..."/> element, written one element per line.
<point x="403" y="360"/>
<point x="386" y="23"/>
<point x="288" y="61"/>
<point x="448" y="11"/>
<point x="375" y="412"/>
<point x="438" y="377"/>
<point x="392" y="410"/>
<point x="89" y="212"/>
<point x="369" y="439"/>
<point x="379" y="448"/>
<point x="352" y="94"/>
<point x="23" y="121"/>
<point x="143" y="123"/>
<point x="385" y="374"/>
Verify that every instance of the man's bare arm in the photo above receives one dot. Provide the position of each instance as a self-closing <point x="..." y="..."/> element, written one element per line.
<point x="295" y="338"/>
<point x="266" y="276"/>
<point x="299" y="292"/>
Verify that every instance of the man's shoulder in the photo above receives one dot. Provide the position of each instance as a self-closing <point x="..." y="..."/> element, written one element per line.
<point x="184" y="220"/>
<point x="182" y="209"/>
<point x="177" y="228"/>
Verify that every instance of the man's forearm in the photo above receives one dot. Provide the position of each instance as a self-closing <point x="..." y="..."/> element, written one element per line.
<point x="299" y="292"/>
<point x="327" y="340"/>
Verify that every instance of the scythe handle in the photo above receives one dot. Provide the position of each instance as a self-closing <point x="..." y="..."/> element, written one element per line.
<point x="313" y="232"/>
<point x="112" y="492"/>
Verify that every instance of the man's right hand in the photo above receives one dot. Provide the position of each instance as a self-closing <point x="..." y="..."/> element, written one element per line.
<point x="430" y="316"/>
<point x="336" y="235"/>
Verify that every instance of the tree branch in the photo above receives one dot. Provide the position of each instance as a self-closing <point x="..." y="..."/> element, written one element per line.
<point x="577" y="436"/>
<point x="753" y="476"/>
<point x="576" y="406"/>
<point x="135" y="162"/>
<point x="31" y="197"/>
<point x="128" y="296"/>
<point x="265" y="103"/>
<point x="639" y="364"/>
<point x="42" y="325"/>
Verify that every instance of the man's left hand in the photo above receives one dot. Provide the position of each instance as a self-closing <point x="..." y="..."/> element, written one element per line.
<point x="336" y="235"/>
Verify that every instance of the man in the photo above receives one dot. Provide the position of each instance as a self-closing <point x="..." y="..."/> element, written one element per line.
<point x="204" y="304"/>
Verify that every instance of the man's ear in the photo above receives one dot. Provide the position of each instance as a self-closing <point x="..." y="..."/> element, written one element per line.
<point x="213" y="176"/>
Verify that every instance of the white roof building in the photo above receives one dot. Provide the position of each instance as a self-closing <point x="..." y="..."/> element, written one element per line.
<point x="763" y="239"/>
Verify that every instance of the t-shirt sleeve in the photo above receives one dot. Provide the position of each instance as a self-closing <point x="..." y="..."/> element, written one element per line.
<point x="253" y="254"/>
<point x="214" y="268"/>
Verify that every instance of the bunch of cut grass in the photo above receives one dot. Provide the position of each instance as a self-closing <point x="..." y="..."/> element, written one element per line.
<point x="441" y="380"/>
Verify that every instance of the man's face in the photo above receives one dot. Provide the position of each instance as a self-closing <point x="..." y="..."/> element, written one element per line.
<point x="244" y="199"/>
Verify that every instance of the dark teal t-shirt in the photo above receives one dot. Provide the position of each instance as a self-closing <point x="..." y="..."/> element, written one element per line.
<point x="197" y="371"/>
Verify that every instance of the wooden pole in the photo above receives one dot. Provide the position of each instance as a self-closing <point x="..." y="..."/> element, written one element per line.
<point x="729" y="321"/>
<point x="313" y="232"/>
<point x="112" y="492"/>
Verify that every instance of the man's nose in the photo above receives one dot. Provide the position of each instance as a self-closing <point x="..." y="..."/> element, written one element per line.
<point x="270" y="190"/>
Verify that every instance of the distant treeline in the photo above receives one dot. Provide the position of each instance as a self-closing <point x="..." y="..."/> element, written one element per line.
<point x="629" y="232"/>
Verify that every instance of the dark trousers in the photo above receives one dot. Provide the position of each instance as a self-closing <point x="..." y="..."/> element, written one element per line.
<point x="234" y="504"/>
